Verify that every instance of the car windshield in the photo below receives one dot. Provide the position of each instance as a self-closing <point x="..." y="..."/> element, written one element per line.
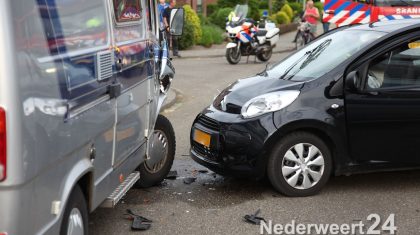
<point x="323" y="55"/>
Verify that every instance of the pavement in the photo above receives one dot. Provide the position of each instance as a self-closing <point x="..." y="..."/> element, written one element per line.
<point x="216" y="205"/>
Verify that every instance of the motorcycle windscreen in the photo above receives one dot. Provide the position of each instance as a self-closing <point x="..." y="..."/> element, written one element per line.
<point x="241" y="11"/>
<point x="342" y="12"/>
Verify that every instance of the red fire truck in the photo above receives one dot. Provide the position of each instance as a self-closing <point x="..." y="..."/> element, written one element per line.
<point x="345" y="12"/>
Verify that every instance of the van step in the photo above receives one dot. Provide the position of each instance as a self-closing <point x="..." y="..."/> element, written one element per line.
<point x="121" y="190"/>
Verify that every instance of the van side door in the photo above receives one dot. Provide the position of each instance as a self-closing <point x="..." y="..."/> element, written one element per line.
<point x="133" y="73"/>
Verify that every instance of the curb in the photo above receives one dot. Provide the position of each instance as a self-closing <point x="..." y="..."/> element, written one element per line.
<point x="217" y="56"/>
<point x="169" y="103"/>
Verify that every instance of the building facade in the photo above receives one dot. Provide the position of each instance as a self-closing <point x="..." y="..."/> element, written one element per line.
<point x="200" y="6"/>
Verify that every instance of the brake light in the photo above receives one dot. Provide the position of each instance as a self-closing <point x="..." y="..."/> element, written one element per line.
<point x="3" y="144"/>
<point x="3" y="233"/>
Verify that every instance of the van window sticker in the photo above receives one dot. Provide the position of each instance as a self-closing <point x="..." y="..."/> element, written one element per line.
<point x="127" y="10"/>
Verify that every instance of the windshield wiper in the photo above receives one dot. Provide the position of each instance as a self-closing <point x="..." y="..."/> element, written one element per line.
<point x="264" y="72"/>
<point x="310" y="56"/>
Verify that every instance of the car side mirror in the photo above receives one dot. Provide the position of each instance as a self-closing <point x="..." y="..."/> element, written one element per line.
<point x="177" y="21"/>
<point x="352" y="80"/>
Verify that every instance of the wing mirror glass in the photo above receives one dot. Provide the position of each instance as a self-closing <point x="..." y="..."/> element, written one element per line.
<point x="352" y="81"/>
<point x="177" y="21"/>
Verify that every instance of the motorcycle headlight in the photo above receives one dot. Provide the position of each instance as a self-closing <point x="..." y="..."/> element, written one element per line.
<point x="267" y="103"/>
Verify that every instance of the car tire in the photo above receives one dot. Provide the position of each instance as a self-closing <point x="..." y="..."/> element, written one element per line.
<point x="264" y="57"/>
<point x="299" y="165"/>
<point x="153" y="175"/>
<point x="75" y="218"/>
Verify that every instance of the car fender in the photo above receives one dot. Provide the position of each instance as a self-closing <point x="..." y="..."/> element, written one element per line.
<point x="326" y="132"/>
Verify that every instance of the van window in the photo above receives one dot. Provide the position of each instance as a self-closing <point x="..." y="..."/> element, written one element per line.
<point x="78" y="24"/>
<point x="127" y="10"/>
<point x="397" y="68"/>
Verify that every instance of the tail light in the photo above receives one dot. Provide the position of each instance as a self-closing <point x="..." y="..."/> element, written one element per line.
<point x="3" y="144"/>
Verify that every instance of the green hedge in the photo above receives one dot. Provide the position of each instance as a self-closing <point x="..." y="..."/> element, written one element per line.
<point x="212" y="34"/>
<point x="297" y="7"/>
<point x="192" y="29"/>
<point x="219" y="18"/>
<point x="288" y="10"/>
<point x="281" y="17"/>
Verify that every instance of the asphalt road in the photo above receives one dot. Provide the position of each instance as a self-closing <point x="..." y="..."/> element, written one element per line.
<point x="216" y="205"/>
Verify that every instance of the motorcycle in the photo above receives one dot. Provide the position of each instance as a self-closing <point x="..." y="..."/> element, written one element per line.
<point x="249" y="39"/>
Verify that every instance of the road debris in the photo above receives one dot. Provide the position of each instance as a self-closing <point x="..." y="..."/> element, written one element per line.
<point x="140" y="223"/>
<point x="254" y="219"/>
<point x="189" y="180"/>
<point x="172" y="175"/>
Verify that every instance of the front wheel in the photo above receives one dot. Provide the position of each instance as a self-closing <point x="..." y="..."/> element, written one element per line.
<point x="266" y="54"/>
<point x="75" y="219"/>
<point x="233" y="55"/>
<point x="299" y="165"/>
<point x="300" y="41"/>
<point x="163" y="147"/>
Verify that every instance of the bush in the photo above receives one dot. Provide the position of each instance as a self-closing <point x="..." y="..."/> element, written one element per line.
<point x="288" y="10"/>
<point x="254" y="10"/>
<point x="212" y="34"/>
<point x="203" y="20"/>
<point x="219" y="18"/>
<point x="192" y="29"/>
<point x="212" y="8"/>
<point x="281" y="18"/>
<point x="297" y="8"/>
<point x="278" y="4"/>
<point x="263" y="4"/>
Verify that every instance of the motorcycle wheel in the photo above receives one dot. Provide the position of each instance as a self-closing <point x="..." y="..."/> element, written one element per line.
<point x="266" y="55"/>
<point x="233" y="55"/>
<point x="300" y="41"/>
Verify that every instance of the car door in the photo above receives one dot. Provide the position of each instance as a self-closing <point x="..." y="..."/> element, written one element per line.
<point x="133" y="72"/>
<point x="383" y="118"/>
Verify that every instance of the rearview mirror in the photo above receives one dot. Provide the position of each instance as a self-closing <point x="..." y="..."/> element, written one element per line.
<point x="177" y="21"/>
<point x="352" y="80"/>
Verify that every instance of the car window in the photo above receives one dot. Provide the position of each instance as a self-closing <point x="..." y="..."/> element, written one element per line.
<point x="323" y="55"/>
<point x="127" y="10"/>
<point x="396" y="68"/>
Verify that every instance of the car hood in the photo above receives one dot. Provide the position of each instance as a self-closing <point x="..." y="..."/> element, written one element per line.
<point x="237" y="94"/>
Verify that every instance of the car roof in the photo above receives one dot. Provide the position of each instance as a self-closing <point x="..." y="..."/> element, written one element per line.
<point x="388" y="26"/>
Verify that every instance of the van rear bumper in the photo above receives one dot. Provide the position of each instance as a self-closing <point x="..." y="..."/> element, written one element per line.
<point x="15" y="210"/>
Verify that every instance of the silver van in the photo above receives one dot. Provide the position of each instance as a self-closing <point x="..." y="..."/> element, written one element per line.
<point x="81" y="86"/>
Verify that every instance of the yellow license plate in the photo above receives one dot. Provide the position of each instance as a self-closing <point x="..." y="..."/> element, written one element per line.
<point x="202" y="138"/>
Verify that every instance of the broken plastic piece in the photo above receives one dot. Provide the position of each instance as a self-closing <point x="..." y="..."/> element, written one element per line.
<point x="254" y="219"/>
<point x="172" y="175"/>
<point x="189" y="180"/>
<point x="140" y="223"/>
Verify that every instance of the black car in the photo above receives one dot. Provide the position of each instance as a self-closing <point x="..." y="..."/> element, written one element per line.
<point x="349" y="102"/>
